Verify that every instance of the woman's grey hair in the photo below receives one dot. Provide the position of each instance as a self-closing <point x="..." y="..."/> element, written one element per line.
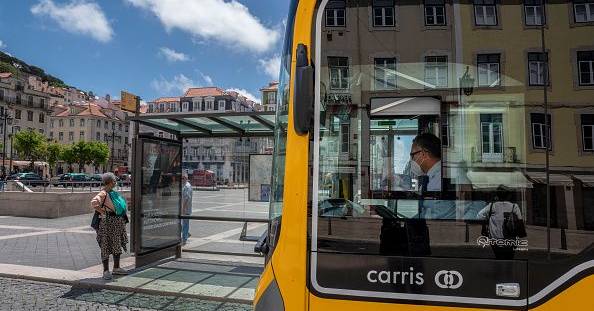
<point x="107" y="178"/>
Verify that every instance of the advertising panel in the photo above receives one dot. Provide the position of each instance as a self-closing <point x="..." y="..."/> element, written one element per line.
<point x="161" y="195"/>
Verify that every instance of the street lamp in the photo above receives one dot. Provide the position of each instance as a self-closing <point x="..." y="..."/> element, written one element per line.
<point x="466" y="83"/>
<point x="5" y="117"/>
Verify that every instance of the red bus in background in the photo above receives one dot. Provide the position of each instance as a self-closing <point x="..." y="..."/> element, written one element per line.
<point x="203" y="178"/>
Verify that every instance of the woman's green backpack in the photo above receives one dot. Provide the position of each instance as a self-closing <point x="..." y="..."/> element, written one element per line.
<point x="119" y="203"/>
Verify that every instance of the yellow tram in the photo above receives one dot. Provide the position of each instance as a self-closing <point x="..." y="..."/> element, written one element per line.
<point x="433" y="154"/>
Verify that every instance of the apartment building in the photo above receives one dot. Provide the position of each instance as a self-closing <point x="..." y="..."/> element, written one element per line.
<point x="91" y="122"/>
<point x="27" y="108"/>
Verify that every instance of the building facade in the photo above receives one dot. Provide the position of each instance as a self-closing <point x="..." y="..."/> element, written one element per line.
<point x="269" y="94"/>
<point x="91" y="122"/>
<point x="27" y="109"/>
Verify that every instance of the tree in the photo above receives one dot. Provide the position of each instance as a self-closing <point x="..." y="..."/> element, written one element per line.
<point x="99" y="152"/>
<point x="53" y="153"/>
<point x="82" y="154"/>
<point x="30" y="145"/>
<point x="67" y="155"/>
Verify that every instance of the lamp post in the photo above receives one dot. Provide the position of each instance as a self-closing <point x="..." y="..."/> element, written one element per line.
<point x="10" y="165"/>
<point x="5" y="117"/>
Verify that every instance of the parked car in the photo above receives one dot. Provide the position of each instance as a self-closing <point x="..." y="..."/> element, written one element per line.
<point x="30" y="179"/>
<point x="73" y="180"/>
<point x="95" y="180"/>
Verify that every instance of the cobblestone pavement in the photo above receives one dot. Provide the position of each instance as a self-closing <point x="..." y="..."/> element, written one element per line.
<point x="27" y="295"/>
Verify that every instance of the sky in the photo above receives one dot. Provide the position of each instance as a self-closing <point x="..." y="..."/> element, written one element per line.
<point x="151" y="48"/>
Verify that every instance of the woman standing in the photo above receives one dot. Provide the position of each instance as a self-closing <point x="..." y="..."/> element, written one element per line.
<point x="111" y="233"/>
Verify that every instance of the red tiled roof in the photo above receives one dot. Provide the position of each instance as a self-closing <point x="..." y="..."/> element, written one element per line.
<point x="272" y="86"/>
<point x="87" y="110"/>
<point x="203" y="91"/>
<point x="5" y="75"/>
<point x="169" y="99"/>
<point x="93" y="110"/>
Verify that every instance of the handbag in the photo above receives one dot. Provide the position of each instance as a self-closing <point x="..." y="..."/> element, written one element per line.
<point x="513" y="226"/>
<point x="95" y="220"/>
<point x="485" y="228"/>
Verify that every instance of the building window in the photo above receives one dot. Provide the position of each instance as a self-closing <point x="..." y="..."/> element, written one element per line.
<point x="492" y="137"/>
<point x="335" y="14"/>
<point x="485" y="13"/>
<point x="41" y="118"/>
<point x="98" y="123"/>
<point x="113" y="126"/>
<point x="70" y="136"/>
<point x="339" y="72"/>
<point x="586" y="67"/>
<point x="126" y="140"/>
<point x="534" y="12"/>
<point x="61" y="136"/>
<point x="98" y="136"/>
<point x="29" y="115"/>
<point x="105" y="137"/>
<point x="385" y="73"/>
<point x="71" y="122"/>
<point x="488" y="69"/>
<point x="1" y="94"/>
<point x="51" y="123"/>
<point x="383" y="13"/>
<point x="41" y="131"/>
<point x="82" y="122"/>
<point x="81" y="135"/>
<point x="120" y="127"/>
<point x="221" y="105"/>
<point x="583" y="10"/>
<point x="436" y="71"/>
<point x="127" y="128"/>
<point x="52" y="135"/>
<point x="344" y="137"/>
<point x="185" y="106"/>
<point x="540" y="136"/>
<point x="445" y="130"/>
<point x="106" y="125"/>
<point x="537" y="67"/>
<point x="434" y="12"/>
<point x="30" y="100"/>
<point x="588" y="132"/>
<point x="161" y="134"/>
<point x="61" y="123"/>
<point x="17" y="114"/>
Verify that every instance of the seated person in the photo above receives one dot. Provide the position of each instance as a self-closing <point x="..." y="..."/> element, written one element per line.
<point x="425" y="156"/>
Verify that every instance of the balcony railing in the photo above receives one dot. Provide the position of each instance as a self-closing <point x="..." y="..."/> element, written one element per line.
<point x="13" y="100"/>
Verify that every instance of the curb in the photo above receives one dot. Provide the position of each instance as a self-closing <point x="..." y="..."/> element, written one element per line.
<point x="93" y="285"/>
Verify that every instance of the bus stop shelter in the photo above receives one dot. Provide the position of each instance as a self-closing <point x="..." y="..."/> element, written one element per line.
<point x="157" y="169"/>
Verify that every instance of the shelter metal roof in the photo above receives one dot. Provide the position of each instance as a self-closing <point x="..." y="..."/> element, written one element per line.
<point x="219" y="124"/>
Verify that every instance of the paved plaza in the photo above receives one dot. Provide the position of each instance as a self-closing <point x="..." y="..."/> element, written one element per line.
<point x="65" y="250"/>
<point x="69" y="243"/>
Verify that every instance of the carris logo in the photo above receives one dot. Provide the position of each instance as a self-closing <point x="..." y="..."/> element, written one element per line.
<point x="448" y="279"/>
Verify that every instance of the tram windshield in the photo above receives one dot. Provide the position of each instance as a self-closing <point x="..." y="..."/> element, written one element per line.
<point x="456" y="126"/>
